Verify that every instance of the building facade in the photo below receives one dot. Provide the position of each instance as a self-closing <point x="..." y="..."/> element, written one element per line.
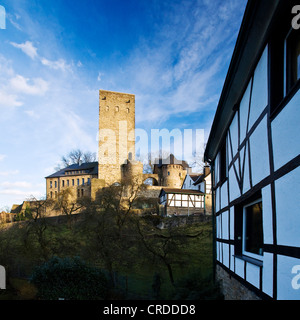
<point x="253" y="150"/>
<point x="180" y="202"/>
<point x="76" y="177"/>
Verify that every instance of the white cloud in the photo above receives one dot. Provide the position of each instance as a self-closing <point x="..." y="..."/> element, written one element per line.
<point x="100" y="74"/>
<point x="59" y="64"/>
<point x="2" y="156"/>
<point x="27" y="47"/>
<point x="9" y="100"/>
<point x="21" y="84"/>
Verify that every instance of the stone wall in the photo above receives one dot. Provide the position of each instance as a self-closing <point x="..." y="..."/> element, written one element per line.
<point x="116" y="133"/>
<point x="231" y="288"/>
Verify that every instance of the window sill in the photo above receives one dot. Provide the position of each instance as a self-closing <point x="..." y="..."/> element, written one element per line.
<point x="256" y="262"/>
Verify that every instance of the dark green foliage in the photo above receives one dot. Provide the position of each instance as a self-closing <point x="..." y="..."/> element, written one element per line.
<point x="71" y="279"/>
<point x="196" y="287"/>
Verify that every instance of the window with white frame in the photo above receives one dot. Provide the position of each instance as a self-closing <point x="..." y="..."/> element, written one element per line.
<point x="253" y="229"/>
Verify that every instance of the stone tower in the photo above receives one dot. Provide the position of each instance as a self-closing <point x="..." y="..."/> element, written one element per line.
<point x="116" y="134"/>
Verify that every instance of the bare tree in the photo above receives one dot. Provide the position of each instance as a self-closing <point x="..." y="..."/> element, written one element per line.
<point x="68" y="204"/>
<point x="77" y="156"/>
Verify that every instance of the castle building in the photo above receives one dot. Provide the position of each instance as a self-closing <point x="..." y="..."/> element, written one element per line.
<point x="116" y="156"/>
<point x="76" y="177"/>
<point x="253" y="150"/>
<point x="116" y="134"/>
<point x="170" y="171"/>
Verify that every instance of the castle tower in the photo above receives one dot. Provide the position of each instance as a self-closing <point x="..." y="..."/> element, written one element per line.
<point x="116" y="133"/>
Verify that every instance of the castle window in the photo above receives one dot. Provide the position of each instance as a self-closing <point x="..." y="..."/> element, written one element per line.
<point x="83" y="181"/>
<point x="82" y="192"/>
<point x="68" y="183"/>
<point x="127" y="110"/>
<point x="51" y="194"/>
<point x="63" y="183"/>
<point x="73" y="182"/>
<point x="89" y="181"/>
<point x="117" y="109"/>
<point x="78" y="182"/>
<point x="130" y="156"/>
<point x="55" y="184"/>
<point x="50" y="184"/>
<point x="168" y="173"/>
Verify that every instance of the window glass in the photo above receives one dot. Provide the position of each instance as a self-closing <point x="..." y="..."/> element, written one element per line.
<point x="253" y="229"/>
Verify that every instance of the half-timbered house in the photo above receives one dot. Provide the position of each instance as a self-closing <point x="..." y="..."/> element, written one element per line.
<point x="253" y="149"/>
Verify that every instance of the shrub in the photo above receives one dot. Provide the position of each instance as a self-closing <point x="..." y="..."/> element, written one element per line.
<point x="71" y="279"/>
<point x="196" y="287"/>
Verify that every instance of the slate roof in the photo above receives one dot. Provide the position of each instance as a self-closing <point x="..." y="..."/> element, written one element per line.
<point x="91" y="167"/>
<point x="171" y="159"/>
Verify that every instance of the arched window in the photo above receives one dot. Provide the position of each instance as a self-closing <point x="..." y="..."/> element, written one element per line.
<point x="117" y="109"/>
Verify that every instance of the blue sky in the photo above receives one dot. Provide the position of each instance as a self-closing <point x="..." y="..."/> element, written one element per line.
<point x="56" y="55"/>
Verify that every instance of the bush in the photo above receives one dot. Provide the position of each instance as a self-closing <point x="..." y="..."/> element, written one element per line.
<point x="196" y="287"/>
<point x="71" y="279"/>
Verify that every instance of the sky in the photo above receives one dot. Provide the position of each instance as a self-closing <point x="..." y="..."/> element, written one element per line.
<point x="55" y="56"/>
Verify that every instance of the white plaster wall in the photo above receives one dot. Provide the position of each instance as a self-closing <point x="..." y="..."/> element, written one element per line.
<point x="267" y="282"/>
<point x="259" y="98"/>
<point x="232" y="223"/>
<point x="244" y="110"/>
<point x="226" y="255"/>
<point x="228" y="148"/>
<point x="225" y="233"/>
<point x="217" y="197"/>
<point x="239" y="267"/>
<point x="285" y="290"/>
<point x="259" y="153"/>
<point x="224" y="195"/>
<point x="232" y="257"/>
<point x="267" y="215"/>
<point x="218" y="226"/>
<point x="252" y="274"/>
<point x="234" y="134"/>
<point x="287" y="190"/>
<point x="285" y="133"/>
<point x="234" y="191"/>
<point x="217" y="170"/>
<point x="246" y="181"/>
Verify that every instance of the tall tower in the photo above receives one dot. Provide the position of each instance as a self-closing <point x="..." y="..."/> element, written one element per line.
<point x="116" y="133"/>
